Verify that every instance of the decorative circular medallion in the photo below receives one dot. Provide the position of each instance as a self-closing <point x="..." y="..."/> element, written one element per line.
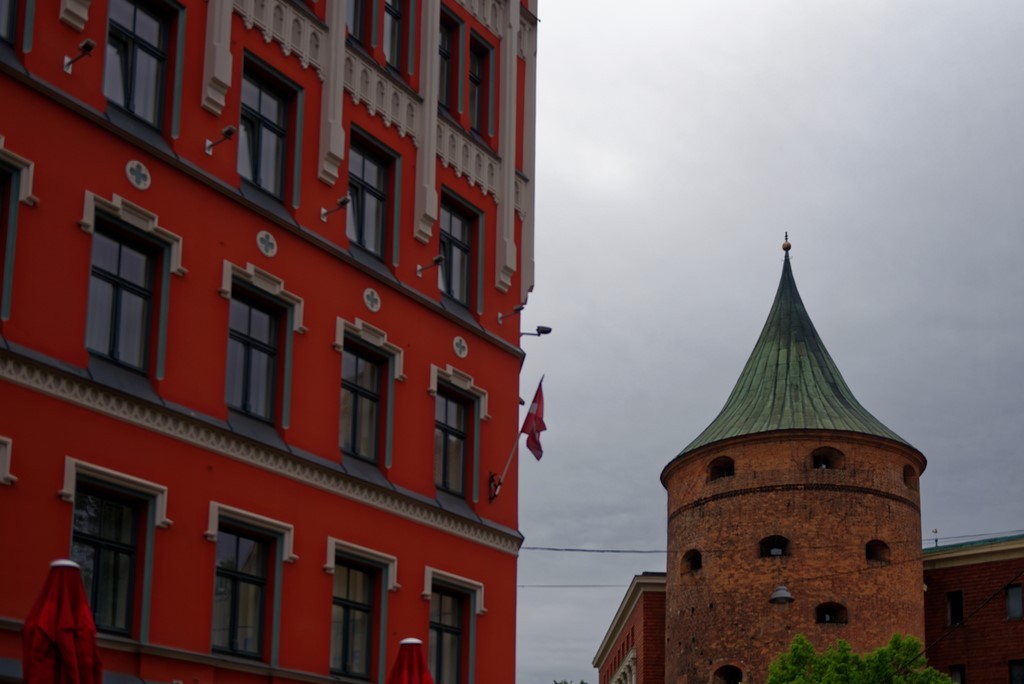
<point x="266" y="242"/>
<point x="460" y="346"/>
<point x="371" y="299"/>
<point x="138" y="174"/>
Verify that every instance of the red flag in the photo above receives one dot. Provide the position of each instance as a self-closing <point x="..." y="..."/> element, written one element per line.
<point x="534" y="423"/>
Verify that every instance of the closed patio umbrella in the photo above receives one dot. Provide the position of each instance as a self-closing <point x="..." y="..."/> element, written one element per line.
<point x="59" y="636"/>
<point x="411" y="664"/>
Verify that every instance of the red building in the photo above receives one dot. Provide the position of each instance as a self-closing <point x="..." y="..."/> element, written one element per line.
<point x="257" y="361"/>
<point x="974" y="616"/>
<point x="633" y="649"/>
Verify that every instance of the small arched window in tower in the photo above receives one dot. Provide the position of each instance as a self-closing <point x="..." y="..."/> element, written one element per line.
<point x="692" y="561"/>
<point x="728" y="674"/>
<point x="910" y="477"/>
<point x="774" y="546"/>
<point x="722" y="466"/>
<point x="877" y="550"/>
<point x="830" y="613"/>
<point x="826" y="458"/>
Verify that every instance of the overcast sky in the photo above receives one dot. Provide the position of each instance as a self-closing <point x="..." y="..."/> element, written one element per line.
<point x="677" y="141"/>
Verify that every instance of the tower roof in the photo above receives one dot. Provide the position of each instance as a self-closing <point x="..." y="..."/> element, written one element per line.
<point x="790" y="382"/>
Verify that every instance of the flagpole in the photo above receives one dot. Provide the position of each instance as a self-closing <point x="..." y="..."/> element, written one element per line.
<point x="495" y="484"/>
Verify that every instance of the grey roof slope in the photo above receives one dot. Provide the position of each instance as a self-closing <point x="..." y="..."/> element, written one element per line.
<point x="790" y="382"/>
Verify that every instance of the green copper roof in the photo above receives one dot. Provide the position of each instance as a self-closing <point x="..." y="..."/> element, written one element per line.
<point x="790" y="382"/>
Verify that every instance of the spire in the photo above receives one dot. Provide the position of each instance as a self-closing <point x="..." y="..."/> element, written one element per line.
<point x="790" y="382"/>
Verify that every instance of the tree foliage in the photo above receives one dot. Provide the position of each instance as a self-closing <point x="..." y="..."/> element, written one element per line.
<point x="899" y="662"/>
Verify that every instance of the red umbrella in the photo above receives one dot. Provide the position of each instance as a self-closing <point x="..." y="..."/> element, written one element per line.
<point x="411" y="665"/>
<point x="59" y="636"/>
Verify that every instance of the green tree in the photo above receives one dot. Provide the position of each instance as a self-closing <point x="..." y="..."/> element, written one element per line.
<point x="899" y="662"/>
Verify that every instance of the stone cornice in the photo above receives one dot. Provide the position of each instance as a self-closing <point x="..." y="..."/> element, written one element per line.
<point x="178" y="426"/>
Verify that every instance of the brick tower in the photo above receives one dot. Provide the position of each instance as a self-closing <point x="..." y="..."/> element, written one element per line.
<point x="794" y="511"/>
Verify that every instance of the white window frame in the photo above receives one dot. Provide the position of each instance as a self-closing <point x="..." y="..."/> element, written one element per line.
<point x="6" y="447"/>
<point x="75" y="468"/>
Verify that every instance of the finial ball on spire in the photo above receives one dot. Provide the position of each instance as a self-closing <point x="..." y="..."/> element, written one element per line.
<point x="785" y="245"/>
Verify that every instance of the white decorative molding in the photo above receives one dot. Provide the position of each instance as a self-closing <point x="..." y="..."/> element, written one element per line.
<point x="506" y="255"/>
<point x="372" y="300"/>
<point x="370" y="86"/>
<point x="232" y="514"/>
<point x="460" y="381"/>
<point x="489" y="12"/>
<point x="73" y="468"/>
<point x="525" y="191"/>
<point x="372" y="336"/>
<point x="75" y="13"/>
<point x="336" y="546"/>
<point x="430" y="575"/>
<point x="295" y="31"/>
<point x="626" y="674"/>
<point x="267" y="282"/>
<point x="427" y="205"/>
<point x="332" y="131"/>
<point x="138" y="174"/>
<point x="135" y="216"/>
<point x="6" y="447"/>
<point x="26" y="170"/>
<point x="215" y="440"/>
<point x="266" y="243"/>
<point x="217" y="61"/>
<point x="469" y="158"/>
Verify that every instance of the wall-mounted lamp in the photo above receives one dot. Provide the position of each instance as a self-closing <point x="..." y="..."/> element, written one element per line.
<point x="541" y="330"/>
<point x="342" y="203"/>
<point x="514" y="312"/>
<point x="85" y="49"/>
<point x="435" y="262"/>
<point x="781" y="595"/>
<point x="226" y="134"/>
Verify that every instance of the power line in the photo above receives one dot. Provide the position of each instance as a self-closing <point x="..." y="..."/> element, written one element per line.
<point x="563" y="549"/>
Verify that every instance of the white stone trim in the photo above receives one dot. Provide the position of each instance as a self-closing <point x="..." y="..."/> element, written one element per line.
<point x="74" y="468"/>
<point x="461" y="381"/>
<point x="430" y="575"/>
<point x="381" y="95"/>
<point x="294" y="31"/>
<point x="135" y="216"/>
<point x="75" y="13"/>
<point x="6" y="447"/>
<point x="287" y="531"/>
<point x="489" y="13"/>
<point x="506" y="255"/>
<point x="26" y="170"/>
<point x="194" y="432"/>
<point x="336" y="546"/>
<point x="469" y="158"/>
<point x="525" y="195"/>
<point x="332" y="131"/>
<point x="266" y="282"/>
<point x="372" y="336"/>
<point x="626" y="674"/>
<point x="217" y="61"/>
<point x="427" y="201"/>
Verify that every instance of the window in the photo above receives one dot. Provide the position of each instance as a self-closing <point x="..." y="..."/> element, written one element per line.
<point x="453" y="274"/>
<point x="958" y="673"/>
<point x="252" y="357"/>
<point x="1017" y="672"/>
<point x="361" y="377"/>
<point x="830" y="613"/>
<point x="8" y="20"/>
<point x="104" y="542"/>
<point x="239" y="593"/>
<point x="826" y="458"/>
<point x="447" y="47"/>
<point x="479" y="87"/>
<point x="910" y="477"/>
<point x="352" y="621"/>
<point x="954" y="607"/>
<point x="120" y="300"/>
<point x="136" y="59"/>
<point x="450" y="441"/>
<point x="367" y="182"/>
<point x="721" y="467"/>
<point x="354" y="19"/>
<point x="877" y="550"/>
<point x="774" y="547"/>
<point x="692" y="561"/>
<point x="445" y="647"/>
<point x="1014" y="609"/>
<point x="393" y="33"/>
<point x="262" y="134"/>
